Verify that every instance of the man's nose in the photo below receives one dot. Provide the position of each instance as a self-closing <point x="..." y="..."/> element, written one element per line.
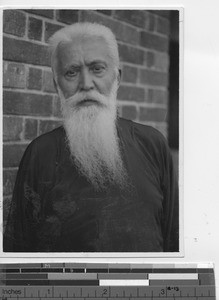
<point x="86" y="81"/>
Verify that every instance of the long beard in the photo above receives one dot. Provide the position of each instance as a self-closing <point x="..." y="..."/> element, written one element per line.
<point x="93" y="140"/>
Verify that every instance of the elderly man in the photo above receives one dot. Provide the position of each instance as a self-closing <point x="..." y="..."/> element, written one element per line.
<point x="98" y="183"/>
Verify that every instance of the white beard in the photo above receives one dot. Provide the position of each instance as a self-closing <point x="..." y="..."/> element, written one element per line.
<point x="92" y="138"/>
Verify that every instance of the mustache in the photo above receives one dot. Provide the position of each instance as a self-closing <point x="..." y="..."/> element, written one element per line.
<point x="81" y="98"/>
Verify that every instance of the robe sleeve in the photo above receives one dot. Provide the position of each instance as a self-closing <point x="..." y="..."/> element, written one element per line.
<point x="170" y="204"/>
<point x="169" y="186"/>
<point x="157" y="145"/>
<point x="20" y="235"/>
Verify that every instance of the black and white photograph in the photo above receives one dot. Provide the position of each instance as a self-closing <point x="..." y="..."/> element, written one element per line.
<point x="91" y="131"/>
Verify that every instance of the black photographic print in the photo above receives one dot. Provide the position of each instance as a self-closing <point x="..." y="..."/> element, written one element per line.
<point x="91" y="131"/>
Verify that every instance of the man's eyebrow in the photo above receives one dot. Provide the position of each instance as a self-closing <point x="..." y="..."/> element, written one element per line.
<point x="71" y="66"/>
<point x="97" y="61"/>
<point x="89" y="63"/>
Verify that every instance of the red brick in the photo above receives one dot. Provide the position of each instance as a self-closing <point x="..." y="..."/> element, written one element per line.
<point x="135" y="17"/>
<point x="27" y="104"/>
<point x="163" y="26"/>
<point x="161" y="12"/>
<point x="9" y="177"/>
<point x="34" y="81"/>
<point x="107" y="12"/>
<point x="26" y="52"/>
<point x="14" y="22"/>
<point x="157" y="96"/>
<point x="139" y="18"/>
<point x="161" y="62"/>
<point x="30" y="129"/>
<point x="57" y="107"/>
<point x="131" y="54"/>
<point x="129" y="74"/>
<point x="48" y="84"/>
<point x="129" y="112"/>
<point x="48" y="125"/>
<point x="131" y="93"/>
<point x="67" y="16"/>
<point x="123" y="32"/>
<point x="154" y="78"/>
<point x="153" y="114"/>
<point x="12" y="128"/>
<point x="6" y="208"/>
<point x="48" y="13"/>
<point x="13" y="75"/>
<point x="12" y="155"/>
<point x="50" y="29"/>
<point x="152" y="41"/>
<point x="151" y="22"/>
<point x="150" y="59"/>
<point x="35" y="29"/>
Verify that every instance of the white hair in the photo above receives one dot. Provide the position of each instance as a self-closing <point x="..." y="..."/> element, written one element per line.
<point x="69" y="33"/>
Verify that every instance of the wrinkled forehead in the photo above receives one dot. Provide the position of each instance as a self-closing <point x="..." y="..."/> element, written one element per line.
<point x="84" y="49"/>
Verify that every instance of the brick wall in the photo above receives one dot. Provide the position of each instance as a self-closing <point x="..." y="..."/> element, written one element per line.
<point x="30" y="104"/>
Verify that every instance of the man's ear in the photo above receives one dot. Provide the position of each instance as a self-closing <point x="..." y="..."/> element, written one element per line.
<point x="119" y="76"/>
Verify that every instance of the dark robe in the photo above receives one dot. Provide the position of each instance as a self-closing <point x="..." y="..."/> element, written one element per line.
<point x="56" y="209"/>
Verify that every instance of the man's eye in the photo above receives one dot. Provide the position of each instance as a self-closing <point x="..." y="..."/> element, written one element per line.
<point x="71" y="73"/>
<point x="98" y="69"/>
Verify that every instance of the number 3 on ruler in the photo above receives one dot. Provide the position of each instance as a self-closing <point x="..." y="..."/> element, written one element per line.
<point x="162" y="292"/>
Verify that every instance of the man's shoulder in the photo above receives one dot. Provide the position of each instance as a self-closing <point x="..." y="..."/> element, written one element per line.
<point x="49" y="140"/>
<point x="143" y="132"/>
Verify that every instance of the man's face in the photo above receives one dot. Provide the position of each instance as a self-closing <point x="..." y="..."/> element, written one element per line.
<point x="85" y="65"/>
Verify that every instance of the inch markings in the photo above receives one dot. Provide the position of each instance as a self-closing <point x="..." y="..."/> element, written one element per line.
<point x="112" y="292"/>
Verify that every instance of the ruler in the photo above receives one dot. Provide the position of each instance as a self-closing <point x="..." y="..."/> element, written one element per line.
<point x="107" y="281"/>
